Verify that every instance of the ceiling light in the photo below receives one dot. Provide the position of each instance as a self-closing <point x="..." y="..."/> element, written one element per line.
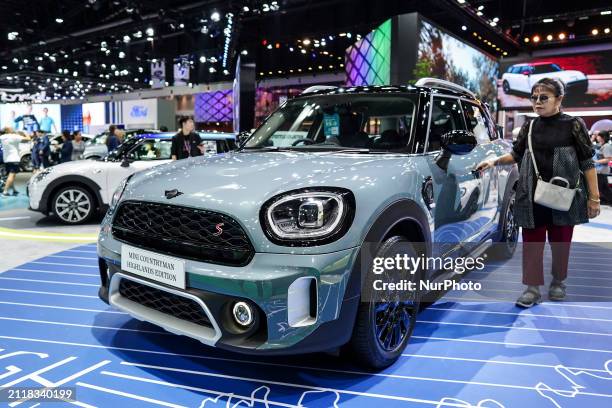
<point x="607" y="30"/>
<point x="25" y="61"/>
<point x="496" y="19"/>
<point x="87" y="63"/>
<point x="479" y="13"/>
<point x="140" y="69"/>
<point x="74" y="74"/>
<point x="150" y="32"/>
<point x="245" y="9"/>
<point x="12" y="35"/>
<point x="562" y="36"/>
<point x="40" y="68"/>
<point x="481" y="7"/>
<point x="595" y="31"/>
<point x="306" y="41"/>
<point x="526" y="39"/>
<point x="463" y="27"/>
<point x="202" y="59"/>
<point x="137" y="34"/>
<point x="121" y="54"/>
<point x="548" y="20"/>
<point x="536" y="38"/>
<point x="460" y="1"/>
<point x="215" y="16"/>
<point x="606" y="12"/>
<point x="212" y="70"/>
<point x="126" y="39"/>
<point x="59" y="20"/>
<point x="181" y="25"/>
<point x="549" y="37"/>
<point x="244" y="52"/>
<point x="492" y="23"/>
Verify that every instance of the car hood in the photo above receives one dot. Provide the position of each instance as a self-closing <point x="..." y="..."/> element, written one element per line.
<point x="570" y="75"/>
<point x="237" y="184"/>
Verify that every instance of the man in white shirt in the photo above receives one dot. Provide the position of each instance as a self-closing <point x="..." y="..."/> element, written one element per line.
<point x="10" y="153"/>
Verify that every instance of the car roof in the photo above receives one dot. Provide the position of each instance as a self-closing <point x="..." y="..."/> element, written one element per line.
<point x="381" y="89"/>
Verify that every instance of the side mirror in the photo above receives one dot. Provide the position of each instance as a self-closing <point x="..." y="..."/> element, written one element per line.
<point x="458" y="142"/>
<point x="125" y="162"/>
<point x="526" y="72"/>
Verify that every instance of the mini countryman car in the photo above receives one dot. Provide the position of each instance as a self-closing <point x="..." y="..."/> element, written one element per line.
<point x="520" y="78"/>
<point x="266" y="250"/>
<point x="76" y="190"/>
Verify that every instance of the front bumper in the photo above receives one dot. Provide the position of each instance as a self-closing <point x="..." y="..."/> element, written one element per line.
<point x="35" y="194"/>
<point x="270" y="282"/>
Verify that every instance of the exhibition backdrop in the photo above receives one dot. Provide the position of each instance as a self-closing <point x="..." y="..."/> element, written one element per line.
<point x="10" y="111"/>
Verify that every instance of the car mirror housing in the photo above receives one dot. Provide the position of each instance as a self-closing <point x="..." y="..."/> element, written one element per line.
<point x="125" y="162"/>
<point x="458" y="142"/>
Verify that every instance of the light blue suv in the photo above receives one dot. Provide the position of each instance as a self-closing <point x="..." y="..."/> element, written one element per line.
<point x="268" y="250"/>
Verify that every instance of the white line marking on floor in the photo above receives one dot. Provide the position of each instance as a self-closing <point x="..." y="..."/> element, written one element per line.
<point x="92" y="258"/>
<point x="78" y="309"/>
<point x="507" y="343"/>
<point x="518" y="314"/>
<point x="64" y="264"/>
<point x="128" y="395"/>
<point x="48" y="293"/>
<point x="484" y="290"/>
<point x="509" y="328"/>
<point x="52" y="282"/>
<point x="286" y="384"/>
<point x="487" y="280"/>
<point x="14" y="218"/>
<point x="79" y="251"/>
<point x="89" y="326"/>
<point x="93" y="275"/>
<point x="190" y="388"/>
<point x="511" y="302"/>
<point x="516" y="275"/>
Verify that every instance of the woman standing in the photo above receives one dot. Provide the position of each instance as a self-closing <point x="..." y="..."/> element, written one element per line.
<point x="78" y="145"/>
<point x="603" y="157"/>
<point x="561" y="148"/>
<point x="66" y="152"/>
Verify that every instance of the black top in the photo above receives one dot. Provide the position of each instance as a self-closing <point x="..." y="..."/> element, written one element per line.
<point x="66" y="152"/>
<point x="186" y="146"/>
<point x="549" y="133"/>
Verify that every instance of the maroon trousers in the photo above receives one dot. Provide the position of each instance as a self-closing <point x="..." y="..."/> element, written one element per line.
<point x="560" y="238"/>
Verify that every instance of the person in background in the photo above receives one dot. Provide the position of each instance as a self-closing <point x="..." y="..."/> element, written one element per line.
<point x="30" y="124"/>
<point x="120" y="135"/>
<point x="163" y="128"/>
<point x="603" y="157"/>
<point x="10" y="155"/>
<point x="112" y="141"/>
<point x="78" y="145"/>
<point x="186" y="143"/>
<point x="35" y="156"/>
<point x="46" y="122"/>
<point x="44" y="149"/>
<point x="66" y="151"/>
<point x="556" y="137"/>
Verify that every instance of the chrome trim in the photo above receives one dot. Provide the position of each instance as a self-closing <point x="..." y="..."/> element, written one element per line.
<point x="443" y="84"/>
<point x="174" y="325"/>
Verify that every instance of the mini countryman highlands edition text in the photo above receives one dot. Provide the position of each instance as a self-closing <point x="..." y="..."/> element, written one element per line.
<point x="263" y="250"/>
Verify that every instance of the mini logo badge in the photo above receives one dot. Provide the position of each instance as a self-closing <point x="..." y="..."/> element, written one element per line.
<point x="219" y="229"/>
<point x="172" y="193"/>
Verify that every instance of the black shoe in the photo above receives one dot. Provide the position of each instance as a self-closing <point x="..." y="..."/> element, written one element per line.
<point x="15" y="192"/>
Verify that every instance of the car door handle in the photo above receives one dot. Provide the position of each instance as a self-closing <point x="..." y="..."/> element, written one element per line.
<point x="97" y="171"/>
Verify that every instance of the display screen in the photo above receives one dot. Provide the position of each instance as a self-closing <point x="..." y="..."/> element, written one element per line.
<point x="368" y="62"/>
<point x="587" y="78"/>
<point x="440" y="55"/>
<point x="10" y="112"/>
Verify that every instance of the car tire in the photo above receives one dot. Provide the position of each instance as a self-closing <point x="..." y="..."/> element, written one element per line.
<point x="506" y="87"/>
<point x="384" y="323"/>
<point x="26" y="163"/>
<point x="73" y="205"/>
<point x="507" y="240"/>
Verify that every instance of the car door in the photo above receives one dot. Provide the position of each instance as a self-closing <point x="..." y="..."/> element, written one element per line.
<point x="457" y="189"/>
<point x="145" y="154"/>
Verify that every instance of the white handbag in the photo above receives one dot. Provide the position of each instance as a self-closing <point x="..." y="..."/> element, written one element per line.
<point x="548" y="194"/>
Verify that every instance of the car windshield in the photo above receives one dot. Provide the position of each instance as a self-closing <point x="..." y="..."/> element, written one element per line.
<point x="331" y="122"/>
<point x="98" y="139"/>
<point x="120" y="151"/>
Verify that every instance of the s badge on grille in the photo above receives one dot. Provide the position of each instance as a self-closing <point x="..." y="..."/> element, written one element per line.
<point x="172" y="193"/>
<point x="219" y="228"/>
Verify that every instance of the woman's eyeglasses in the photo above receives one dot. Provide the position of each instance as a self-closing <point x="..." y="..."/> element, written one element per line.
<point x="542" y="98"/>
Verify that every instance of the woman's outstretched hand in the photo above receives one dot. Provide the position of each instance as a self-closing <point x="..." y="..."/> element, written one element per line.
<point x="485" y="164"/>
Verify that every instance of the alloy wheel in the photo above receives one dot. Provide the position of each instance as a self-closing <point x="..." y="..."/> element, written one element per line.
<point x="73" y="206"/>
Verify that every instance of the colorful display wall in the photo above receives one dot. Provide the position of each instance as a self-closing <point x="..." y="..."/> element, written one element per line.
<point x="368" y="62"/>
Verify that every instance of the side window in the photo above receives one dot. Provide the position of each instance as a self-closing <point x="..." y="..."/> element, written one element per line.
<point x="477" y="122"/>
<point x="153" y="149"/>
<point x="446" y="115"/>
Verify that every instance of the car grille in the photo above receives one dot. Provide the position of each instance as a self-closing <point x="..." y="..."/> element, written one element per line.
<point x="164" y="302"/>
<point x="182" y="231"/>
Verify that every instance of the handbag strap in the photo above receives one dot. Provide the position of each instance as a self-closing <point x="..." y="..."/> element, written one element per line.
<point x="535" y="166"/>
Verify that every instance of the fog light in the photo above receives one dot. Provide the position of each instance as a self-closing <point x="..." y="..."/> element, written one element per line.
<point x="243" y="314"/>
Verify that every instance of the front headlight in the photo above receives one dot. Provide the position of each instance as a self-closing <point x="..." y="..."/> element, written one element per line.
<point x="308" y="217"/>
<point x="117" y="194"/>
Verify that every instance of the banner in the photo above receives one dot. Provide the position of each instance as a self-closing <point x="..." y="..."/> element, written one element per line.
<point x="158" y="74"/>
<point x="181" y="70"/>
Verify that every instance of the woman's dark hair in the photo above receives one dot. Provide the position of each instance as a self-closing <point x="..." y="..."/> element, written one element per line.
<point x="184" y="119"/>
<point x="76" y="132"/>
<point x="553" y="85"/>
<point x="605" y="135"/>
<point x="66" y="134"/>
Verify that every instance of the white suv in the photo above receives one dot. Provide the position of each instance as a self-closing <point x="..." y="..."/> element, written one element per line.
<point x="520" y="78"/>
<point x="76" y="190"/>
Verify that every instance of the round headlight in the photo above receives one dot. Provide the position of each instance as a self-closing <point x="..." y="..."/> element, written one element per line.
<point x="308" y="217"/>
